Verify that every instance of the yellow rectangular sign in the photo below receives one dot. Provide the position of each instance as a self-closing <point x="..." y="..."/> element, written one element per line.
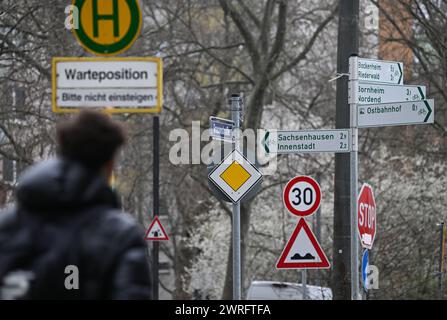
<point x="119" y="85"/>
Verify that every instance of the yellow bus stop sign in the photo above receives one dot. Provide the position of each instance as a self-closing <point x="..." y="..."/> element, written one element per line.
<point x="108" y="27"/>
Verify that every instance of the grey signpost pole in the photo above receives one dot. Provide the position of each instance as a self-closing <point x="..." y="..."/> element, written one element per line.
<point x="318" y="226"/>
<point x="304" y="281"/>
<point x="441" y="261"/>
<point x="156" y="204"/>
<point x="353" y="65"/>
<point x="236" y="115"/>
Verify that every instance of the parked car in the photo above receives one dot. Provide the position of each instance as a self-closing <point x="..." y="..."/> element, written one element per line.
<point x="273" y="290"/>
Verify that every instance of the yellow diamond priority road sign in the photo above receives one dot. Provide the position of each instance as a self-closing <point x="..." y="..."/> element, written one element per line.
<point x="235" y="176"/>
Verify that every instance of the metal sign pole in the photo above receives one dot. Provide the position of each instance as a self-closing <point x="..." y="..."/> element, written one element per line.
<point x="236" y="115"/>
<point x="353" y="62"/>
<point x="441" y="262"/>
<point x="318" y="227"/>
<point x="304" y="281"/>
<point x="156" y="204"/>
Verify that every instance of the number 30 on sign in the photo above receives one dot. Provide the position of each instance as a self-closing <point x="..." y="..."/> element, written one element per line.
<point x="302" y="196"/>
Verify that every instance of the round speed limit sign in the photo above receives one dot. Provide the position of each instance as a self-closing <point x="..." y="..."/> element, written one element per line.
<point x="302" y="196"/>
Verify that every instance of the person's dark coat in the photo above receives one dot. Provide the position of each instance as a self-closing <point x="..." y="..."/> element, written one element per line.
<point x="69" y="215"/>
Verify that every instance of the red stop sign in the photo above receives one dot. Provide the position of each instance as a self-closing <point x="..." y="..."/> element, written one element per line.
<point x="366" y="213"/>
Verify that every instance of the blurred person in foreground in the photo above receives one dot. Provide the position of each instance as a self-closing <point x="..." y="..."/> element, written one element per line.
<point x="67" y="238"/>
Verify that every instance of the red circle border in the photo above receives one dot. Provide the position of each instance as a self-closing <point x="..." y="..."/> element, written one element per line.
<point x="289" y="206"/>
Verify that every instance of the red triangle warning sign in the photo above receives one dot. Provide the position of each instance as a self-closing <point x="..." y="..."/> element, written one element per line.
<point x="303" y="251"/>
<point x="156" y="232"/>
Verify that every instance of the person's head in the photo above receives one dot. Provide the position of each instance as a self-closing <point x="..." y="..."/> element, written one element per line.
<point x="91" y="138"/>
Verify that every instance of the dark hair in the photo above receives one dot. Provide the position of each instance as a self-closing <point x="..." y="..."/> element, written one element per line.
<point x="91" y="138"/>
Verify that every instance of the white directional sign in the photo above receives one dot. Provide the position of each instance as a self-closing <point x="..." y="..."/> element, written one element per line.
<point x="372" y="93"/>
<point x="276" y="141"/>
<point x="121" y="84"/>
<point x="394" y="114"/>
<point x="235" y="176"/>
<point x="381" y="71"/>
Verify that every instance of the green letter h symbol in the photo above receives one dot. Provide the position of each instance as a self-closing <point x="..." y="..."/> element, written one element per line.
<point x="114" y="16"/>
